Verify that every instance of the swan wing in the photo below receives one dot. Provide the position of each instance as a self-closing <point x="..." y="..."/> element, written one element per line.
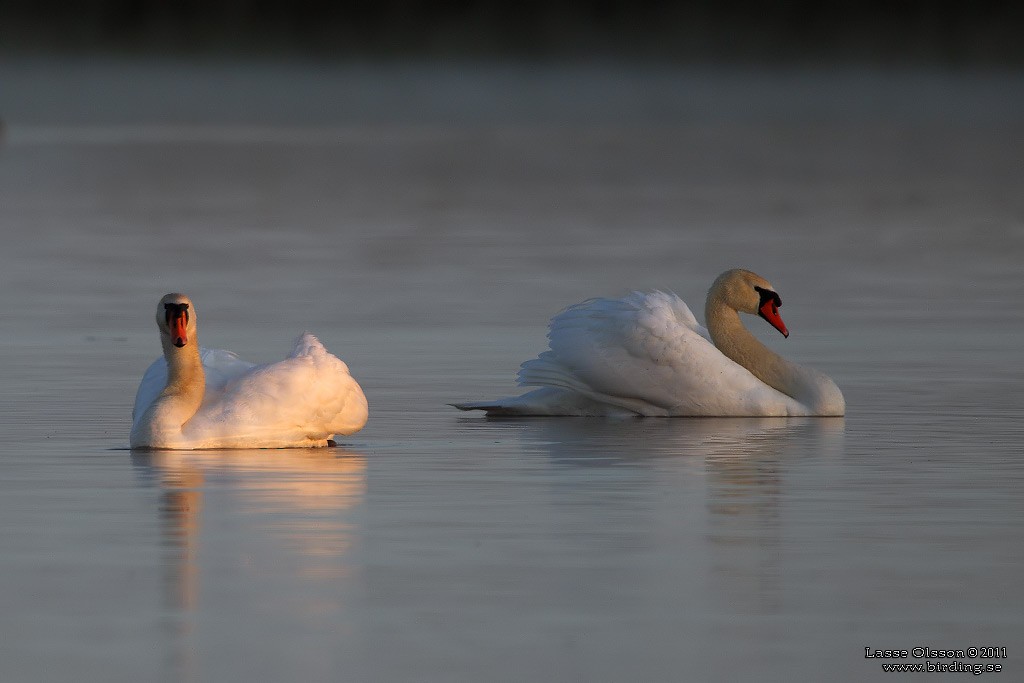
<point x="308" y="396"/>
<point x="646" y="353"/>
<point x="220" y="367"/>
<point x="153" y="382"/>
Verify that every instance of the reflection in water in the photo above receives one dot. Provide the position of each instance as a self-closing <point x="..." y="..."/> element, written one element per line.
<point x="739" y="469"/>
<point x="271" y="512"/>
<point x="747" y="480"/>
<point x="180" y="512"/>
<point x="584" y="441"/>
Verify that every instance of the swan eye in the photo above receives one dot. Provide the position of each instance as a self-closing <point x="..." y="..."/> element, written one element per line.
<point x="766" y="296"/>
<point x="172" y="311"/>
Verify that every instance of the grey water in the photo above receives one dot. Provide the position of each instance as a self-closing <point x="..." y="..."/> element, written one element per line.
<point x="426" y="221"/>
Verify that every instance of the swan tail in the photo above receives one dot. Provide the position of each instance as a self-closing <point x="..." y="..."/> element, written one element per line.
<point x="537" y="402"/>
<point x="306" y="344"/>
<point x="546" y="401"/>
<point x="523" y="406"/>
<point x="491" y="407"/>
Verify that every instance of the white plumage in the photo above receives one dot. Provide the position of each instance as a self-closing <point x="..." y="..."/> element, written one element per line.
<point x="646" y="354"/>
<point x="221" y="401"/>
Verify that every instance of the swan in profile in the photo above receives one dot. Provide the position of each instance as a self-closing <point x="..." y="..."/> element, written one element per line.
<point x="646" y="354"/>
<point x="207" y="398"/>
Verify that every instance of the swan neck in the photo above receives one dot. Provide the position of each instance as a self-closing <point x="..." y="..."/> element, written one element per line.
<point x="186" y="381"/>
<point x="817" y="392"/>
<point x="739" y="345"/>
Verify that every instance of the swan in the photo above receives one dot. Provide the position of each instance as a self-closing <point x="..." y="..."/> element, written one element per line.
<point x="646" y="354"/>
<point x="196" y="398"/>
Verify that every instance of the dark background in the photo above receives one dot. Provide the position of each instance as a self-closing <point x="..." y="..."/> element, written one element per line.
<point x="801" y="31"/>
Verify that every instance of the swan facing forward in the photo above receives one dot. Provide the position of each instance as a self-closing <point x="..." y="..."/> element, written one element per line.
<point x="646" y="354"/>
<point x="207" y="398"/>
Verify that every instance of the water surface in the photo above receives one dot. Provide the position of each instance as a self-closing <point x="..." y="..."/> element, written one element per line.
<point x="426" y="223"/>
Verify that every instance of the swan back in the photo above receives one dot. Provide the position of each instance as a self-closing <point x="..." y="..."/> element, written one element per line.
<point x="309" y="395"/>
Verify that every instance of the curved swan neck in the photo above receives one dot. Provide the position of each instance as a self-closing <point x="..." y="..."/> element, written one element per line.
<point x="739" y="345"/>
<point x="816" y="391"/>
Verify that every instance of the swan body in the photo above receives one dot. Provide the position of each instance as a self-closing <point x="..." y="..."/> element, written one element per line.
<point x="646" y="354"/>
<point x="195" y="398"/>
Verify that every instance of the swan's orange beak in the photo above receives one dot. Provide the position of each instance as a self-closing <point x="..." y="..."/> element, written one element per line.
<point x="770" y="311"/>
<point x="179" y="332"/>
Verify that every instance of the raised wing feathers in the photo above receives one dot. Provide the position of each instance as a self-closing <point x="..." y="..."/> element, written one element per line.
<point x="646" y="353"/>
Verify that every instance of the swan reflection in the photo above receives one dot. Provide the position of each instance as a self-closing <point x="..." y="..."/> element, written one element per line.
<point x="592" y="440"/>
<point x="279" y="511"/>
<point x="705" y="492"/>
<point x="251" y="531"/>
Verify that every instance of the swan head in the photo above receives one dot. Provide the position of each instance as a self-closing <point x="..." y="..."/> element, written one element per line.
<point x="176" y="318"/>
<point x="748" y="292"/>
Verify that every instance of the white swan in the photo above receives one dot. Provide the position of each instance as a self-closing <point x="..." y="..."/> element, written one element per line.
<point x="207" y="398"/>
<point x="646" y="354"/>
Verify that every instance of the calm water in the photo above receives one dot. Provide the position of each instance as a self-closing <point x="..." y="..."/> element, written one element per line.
<point x="426" y="223"/>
